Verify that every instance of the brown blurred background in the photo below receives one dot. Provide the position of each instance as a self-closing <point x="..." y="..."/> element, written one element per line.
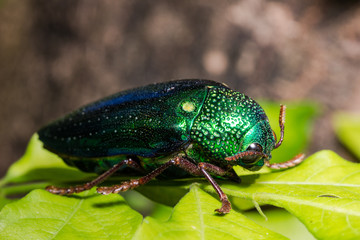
<point x="58" y="55"/>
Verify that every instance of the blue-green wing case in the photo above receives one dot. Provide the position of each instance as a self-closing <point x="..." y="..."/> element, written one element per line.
<point x="148" y="121"/>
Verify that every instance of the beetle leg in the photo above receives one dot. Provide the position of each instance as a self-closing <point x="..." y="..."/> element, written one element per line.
<point x="96" y="181"/>
<point x="200" y="169"/>
<point x="178" y="161"/>
<point x="124" y="186"/>
<point x="226" y="205"/>
<point x="291" y="163"/>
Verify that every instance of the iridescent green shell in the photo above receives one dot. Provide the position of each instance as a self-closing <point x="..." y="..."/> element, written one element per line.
<point x="227" y="124"/>
<point x="201" y="119"/>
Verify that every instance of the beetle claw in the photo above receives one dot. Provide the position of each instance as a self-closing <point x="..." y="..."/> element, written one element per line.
<point x="225" y="208"/>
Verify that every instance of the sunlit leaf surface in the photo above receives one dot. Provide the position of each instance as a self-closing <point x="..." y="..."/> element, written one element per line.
<point x="41" y="215"/>
<point x="194" y="218"/>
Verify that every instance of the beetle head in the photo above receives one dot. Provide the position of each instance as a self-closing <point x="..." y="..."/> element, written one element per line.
<point x="258" y="143"/>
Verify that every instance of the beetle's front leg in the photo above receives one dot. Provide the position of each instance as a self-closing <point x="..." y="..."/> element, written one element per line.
<point x="226" y="205"/>
<point x="197" y="170"/>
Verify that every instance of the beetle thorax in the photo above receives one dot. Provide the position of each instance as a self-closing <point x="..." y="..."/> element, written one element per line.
<point x="226" y="116"/>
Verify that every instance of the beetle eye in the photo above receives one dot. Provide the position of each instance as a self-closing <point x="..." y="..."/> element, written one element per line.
<point x="252" y="159"/>
<point x="255" y="147"/>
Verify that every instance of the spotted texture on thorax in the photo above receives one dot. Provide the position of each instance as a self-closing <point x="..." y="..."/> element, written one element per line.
<point x="225" y="118"/>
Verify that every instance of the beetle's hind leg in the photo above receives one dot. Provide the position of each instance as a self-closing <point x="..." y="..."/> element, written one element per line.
<point x="197" y="170"/>
<point x="80" y="188"/>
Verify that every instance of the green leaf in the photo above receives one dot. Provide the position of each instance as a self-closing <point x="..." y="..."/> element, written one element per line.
<point x="194" y="218"/>
<point x="347" y="128"/>
<point x="323" y="192"/>
<point x="281" y="221"/>
<point x="41" y="215"/>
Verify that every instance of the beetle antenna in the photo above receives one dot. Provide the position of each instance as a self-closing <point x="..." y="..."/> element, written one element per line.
<point x="281" y="124"/>
<point x="288" y="164"/>
<point x="244" y="154"/>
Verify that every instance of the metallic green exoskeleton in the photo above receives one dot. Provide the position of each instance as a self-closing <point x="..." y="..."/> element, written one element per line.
<point x="173" y="129"/>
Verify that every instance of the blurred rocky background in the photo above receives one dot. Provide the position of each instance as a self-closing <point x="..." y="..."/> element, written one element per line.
<point x="57" y="55"/>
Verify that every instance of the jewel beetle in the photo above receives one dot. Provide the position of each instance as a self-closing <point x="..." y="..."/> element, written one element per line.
<point x="174" y="129"/>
